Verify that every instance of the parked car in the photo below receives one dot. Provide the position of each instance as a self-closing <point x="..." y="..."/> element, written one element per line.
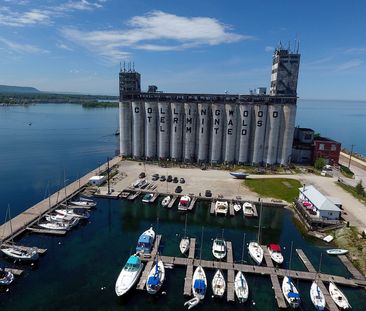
<point x="142" y="175"/>
<point x="178" y="189"/>
<point x="169" y="179"/>
<point x="175" y="180"/>
<point x="208" y="193"/>
<point x="155" y="175"/>
<point x="162" y="178"/>
<point x="182" y="180"/>
<point x="155" y="178"/>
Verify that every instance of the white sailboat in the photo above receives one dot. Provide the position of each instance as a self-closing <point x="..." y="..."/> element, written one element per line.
<point x="290" y="292"/>
<point x="128" y="275"/>
<point x="255" y="250"/>
<point x="185" y="241"/>
<point x="199" y="283"/>
<point x="6" y="277"/>
<point x="241" y="287"/>
<point x="317" y="296"/>
<point x="166" y="201"/>
<point x="83" y="203"/>
<point x="156" y="277"/>
<point x="218" y="284"/>
<point x="54" y="225"/>
<point x="275" y="251"/>
<point x="338" y="297"/>
<point x="73" y="212"/>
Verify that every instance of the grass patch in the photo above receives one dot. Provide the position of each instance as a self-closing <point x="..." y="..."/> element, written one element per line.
<point x="278" y="188"/>
<point x="352" y="191"/>
<point x="346" y="171"/>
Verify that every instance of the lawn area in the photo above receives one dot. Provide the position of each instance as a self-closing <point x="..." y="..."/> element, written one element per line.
<point x="279" y="188"/>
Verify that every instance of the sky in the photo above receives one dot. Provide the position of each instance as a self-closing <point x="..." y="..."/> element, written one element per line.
<point x="204" y="46"/>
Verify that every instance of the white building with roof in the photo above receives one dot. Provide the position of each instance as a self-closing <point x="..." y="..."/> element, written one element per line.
<point x="325" y="208"/>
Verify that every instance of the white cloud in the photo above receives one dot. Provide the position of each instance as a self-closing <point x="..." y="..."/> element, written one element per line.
<point x="64" y="46"/>
<point x="21" y="47"/>
<point x="353" y="63"/>
<point x="269" y="48"/>
<point x="155" y="31"/>
<point x="355" y="51"/>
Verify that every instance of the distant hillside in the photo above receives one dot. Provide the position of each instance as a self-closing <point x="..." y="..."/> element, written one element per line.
<point x="18" y="89"/>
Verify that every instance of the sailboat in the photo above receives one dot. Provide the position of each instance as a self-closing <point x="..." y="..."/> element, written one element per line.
<point x="166" y="201"/>
<point x="17" y="252"/>
<point x="73" y="212"/>
<point x="184" y="242"/>
<point x="241" y="285"/>
<point x="156" y="277"/>
<point x="199" y="283"/>
<point x="255" y="250"/>
<point x="6" y="277"/>
<point x="128" y="275"/>
<point x="275" y="251"/>
<point x="218" y="284"/>
<point x="316" y="294"/>
<point x="339" y="298"/>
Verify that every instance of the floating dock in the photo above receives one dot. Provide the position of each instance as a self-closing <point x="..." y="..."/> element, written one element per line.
<point x="351" y="268"/>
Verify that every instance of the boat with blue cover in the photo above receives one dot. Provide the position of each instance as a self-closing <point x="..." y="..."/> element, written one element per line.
<point x="199" y="283"/>
<point x="129" y="275"/>
<point x="156" y="277"/>
<point x="290" y="292"/>
<point x="239" y="175"/>
<point x="146" y="241"/>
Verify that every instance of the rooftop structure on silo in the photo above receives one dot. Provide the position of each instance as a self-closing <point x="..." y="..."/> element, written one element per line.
<point x="129" y="80"/>
<point x="285" y="72"/>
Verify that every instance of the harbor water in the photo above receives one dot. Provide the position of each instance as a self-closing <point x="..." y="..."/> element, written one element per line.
<point x="79" y="271"/>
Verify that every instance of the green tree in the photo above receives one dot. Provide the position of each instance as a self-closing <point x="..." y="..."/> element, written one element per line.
<point x="319" y="163"/>
<point x="360" y="189"/>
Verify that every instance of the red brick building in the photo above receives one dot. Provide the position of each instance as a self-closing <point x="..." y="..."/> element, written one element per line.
<point x="327" y="149"/>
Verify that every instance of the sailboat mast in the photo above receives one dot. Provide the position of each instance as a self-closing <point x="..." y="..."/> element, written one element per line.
<point x="260" y="220"/>
<point x="292" y="244"/>
<point x="243" y="249"/>
<point x="185" y="226"/>
<point x="201" y="244"/>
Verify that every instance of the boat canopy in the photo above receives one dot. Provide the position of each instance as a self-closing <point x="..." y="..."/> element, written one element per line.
<point x="293" y="295"/>
<point x="199" y="284"/>
<point x="275" y="247"/>
<point x="144" y="239"/>
<point x="153" y="280"/>
<point x="133" y="260"/>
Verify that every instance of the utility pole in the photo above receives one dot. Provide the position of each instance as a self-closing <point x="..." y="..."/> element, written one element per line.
<point x="350" y="156"/>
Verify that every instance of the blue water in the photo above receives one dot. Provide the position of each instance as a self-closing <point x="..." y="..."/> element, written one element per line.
<point x="79" y="270"/>
<point x="343" y="121"/>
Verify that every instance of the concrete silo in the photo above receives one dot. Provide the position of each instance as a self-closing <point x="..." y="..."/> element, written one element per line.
<point x="244" y="135"/>
<point x="163" y="130"/>
<point x="189" y="131"/>
<point x="230" y="132"/>
<point x="137" y="130"/>
<point x="125" y="129"/>
<point x="203" y="132"/>
<point x="151" y="115"/>
<point x="260" y="118"/>
<point x="273" y="132"/>
<point x="217" y="129"/>
<point x="289" y="115"/>
<point x="176" y="140"/>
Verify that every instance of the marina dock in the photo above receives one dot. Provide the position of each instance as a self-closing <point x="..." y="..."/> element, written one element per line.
<point x="193" y="202"/>
<point x="172" y="201"/>
<point x="350" y="267"/>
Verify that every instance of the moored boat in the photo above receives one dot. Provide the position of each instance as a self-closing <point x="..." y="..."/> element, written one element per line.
<point x="221" y="207"/>
<point x="147" y="197"/>
<point x="184" y="245"/>
<point x="275" y="252"/>
<point x="317" y="297"/>
<point x="146" y="241"/>
<point x="6" y="277"/>
<point x="83" y="203"/>
<point x="166" y="201"/>
<point x="199" y="283"/>
<point x="339" y="298"/>
<point x="290" y="292"/>
<point x="241" y="287"/>
<point x="328" y="238"/>
<point x="218" y="284"/>
<point x="20" y="253"/>
<point x="256" y="252"/>
<point x="128" y="275"/>
<point x="337" y="251"/>
<point x="237" y="207"/>
<point x="70" y="221"/>
<point x="248" y="209"/>
<point x="156" y="278"/>
<point x="184" y="203"/>
<point x="73" y="212"/>
<point x="239" y="175"/>
<point x="54" y="225"/>
<point x="219" y="248"/>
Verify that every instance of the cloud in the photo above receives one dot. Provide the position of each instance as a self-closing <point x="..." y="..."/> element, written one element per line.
<point x="155" y="31"/>
<point x="43" y="16"/>
<point x="64" y="46"/>
<point x="355" y="51"/>
<point x="21" y="48"/>
<point x="269" y="48"/>
<point x="353" y="63"/>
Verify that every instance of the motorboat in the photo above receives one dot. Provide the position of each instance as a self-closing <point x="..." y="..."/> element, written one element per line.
<point x="337" y="251"/>
<point x="256" y="252"/>
<point x="219" y="248"/>
<point x="6" y="277"/>
<point x="20" y="253"/>
<point x="192" y="303"/>
<point x="146" y="241"/>
<point x="54" y="225"/>
<point x="248" y="209"/>
<point x="275" y="252"/>
<point x="156" y="278"/>
<point x="218" y="284"/>
<point x="71" y="221"/>
<point x="241" y="287"/>
<point x="239" y="175"/>
<point x="86" y="199"/>
<point x="317" y="296"/>
<point x="184" y="245"/>
<point x="237" y="207"/>
<point x="199" y="283"/>
<point x="184" y="203"/>
<point x="73" y="212"/>
<point x="83" y="203"/>
<point x="221" y="207"/>
<point x="328" y="238"/>
<point x="147" y="197"/>
<point x="166" y="201"/>
<point x="290" y="292"/>
<point x="129" y="275"/>
<point x="339" y="298"/>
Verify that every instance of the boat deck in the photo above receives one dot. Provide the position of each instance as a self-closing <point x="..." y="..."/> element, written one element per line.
<point x="39" y="250"/>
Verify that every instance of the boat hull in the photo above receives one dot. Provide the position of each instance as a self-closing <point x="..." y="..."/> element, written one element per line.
<point x="317" y="297"/>
<point x="159" y="274"/>
<point x="337" y="251"/>
<point x="31" y="255"/>
<point x="6" y="277"/>
<point x="126" y="282"/>
<point x="218" y="284"/>
<point x="200" y="276"/>
<point x="338" y="297"/>
<point x="256" y="252"/>
<point x="184" y="245"/>
<point x="290" y="292"/>
<point x="241" y="287"/>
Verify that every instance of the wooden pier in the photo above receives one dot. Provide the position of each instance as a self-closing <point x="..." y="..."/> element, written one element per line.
<point x="305" y="260"/>
<point x="231" y="209"/>
<point x="192" y="248"/>
<point x="212" y="208"/>
<point x="193" y="202"/>
<point x="172" y="201"/>
<point x="188" y="279"/>
<point x="230" y="286"/>
<point x="351" y="268"/>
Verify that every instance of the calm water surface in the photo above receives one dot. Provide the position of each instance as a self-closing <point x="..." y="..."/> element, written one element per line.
<point x="79" y="270"/>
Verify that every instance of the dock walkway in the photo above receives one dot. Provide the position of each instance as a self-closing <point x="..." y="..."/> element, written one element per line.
<point x="351" y="268"/>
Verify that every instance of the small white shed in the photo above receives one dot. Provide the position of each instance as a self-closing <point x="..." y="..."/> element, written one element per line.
<point x="97" y="180"/>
